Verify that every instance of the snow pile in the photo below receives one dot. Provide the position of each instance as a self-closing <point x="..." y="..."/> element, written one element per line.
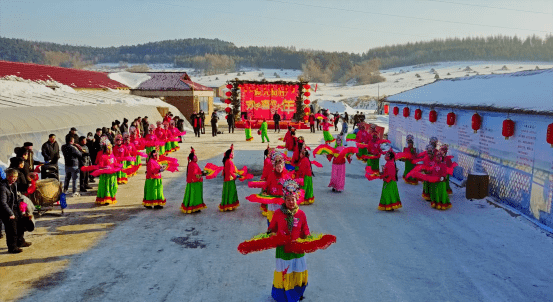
<point x="11" y="84"/>
<point x="130" y="79"/>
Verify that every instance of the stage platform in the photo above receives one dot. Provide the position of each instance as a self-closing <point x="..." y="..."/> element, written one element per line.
<point x="283" y="124"/>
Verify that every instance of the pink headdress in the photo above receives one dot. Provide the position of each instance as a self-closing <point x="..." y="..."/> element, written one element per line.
<point x="290" y="187"/>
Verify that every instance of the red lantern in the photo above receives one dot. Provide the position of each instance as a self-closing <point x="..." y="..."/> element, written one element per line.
<point x="433" y="116"/>
<point x="227" y="110"/>
<point x="406" y="112"/>
<point x="228" y="101"/>
<point x="229" y="86"/>
<point x="476" y="122"/>
<point x="451" y="119"/>
<point x="306" y="86"/>
<point x="226" y="117"/>
<point x="396" y="110"/>
<point x="550" y="135"/>
<point x="386" y="109"/>
<point x="228" y="93"/>
<point x="306" y="102"/>
<point x="306" y="109"/>
<point x="307" y="93"/>
<point x="508" y="128"/>
<point x="305" y="117"/>
<point x="418" y="114"/>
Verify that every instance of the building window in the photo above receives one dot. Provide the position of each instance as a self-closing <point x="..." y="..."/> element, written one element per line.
<point x="203" y="100"/>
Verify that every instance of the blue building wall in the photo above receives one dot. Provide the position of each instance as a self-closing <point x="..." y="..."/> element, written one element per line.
<point x="520" y="168"/>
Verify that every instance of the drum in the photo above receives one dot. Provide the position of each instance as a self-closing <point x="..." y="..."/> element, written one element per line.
<point x="47" y="192"/>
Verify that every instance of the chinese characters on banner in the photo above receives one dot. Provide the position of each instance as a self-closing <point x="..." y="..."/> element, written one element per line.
<point x="263" y="100"/>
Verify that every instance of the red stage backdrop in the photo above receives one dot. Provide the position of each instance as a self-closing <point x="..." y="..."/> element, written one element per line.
<point x="262" y="100"/>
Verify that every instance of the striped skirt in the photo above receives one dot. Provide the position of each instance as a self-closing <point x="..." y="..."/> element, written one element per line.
<point x="290" y="277"/>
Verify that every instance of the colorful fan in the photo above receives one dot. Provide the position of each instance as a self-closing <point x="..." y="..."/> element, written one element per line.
<point x="347" y="152"/>
<point x="319" y="116"/>
<point x="212" y="170"/>
<point x="370" y="174"/>
<point x="316" y="164"/>
<point x="310" y="244"/>
<point x="280" y="147"/>
<point x="325" y="149"/>
<point x="265" y="199"/>
<point x="262" y="242"/>
<point x="257" y="184"/>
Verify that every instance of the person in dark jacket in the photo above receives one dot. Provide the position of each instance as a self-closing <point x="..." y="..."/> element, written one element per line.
<point x="336" y="120"/>
<point x="196" y="123"/>
<point x="51" y="155"/>
<point x="72" y="154"/>
<point x="214" y="121"/>
<point x="312" y="122"/>
<point x="145" y="126"/>
<point x="72" y="133"/>
<point x="140" y="126"/>
<point x="319" y="127"/>
<point x="180" y="126"/>
<point x="230" y="122"/>
<point x="30" y="159"/>
<point x="18" y="164"/>
<point x="84" y="161"/>
<point x="202" y="116"/>
<point x="10" y="213"/>
<point x="276" y="119"/>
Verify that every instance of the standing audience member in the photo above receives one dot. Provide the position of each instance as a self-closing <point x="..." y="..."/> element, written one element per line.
<point x="230" y="122"/>
<point x="72" y="154"/>
<point x="196" y="123"/>
<point x="145" y="125"/>
<point x="10" y="214"/>
<point x="346" y="117"/>
<point x="276" y="119"/>
<point x="336" y="120"/>
<point x="51" y="154"/>
<point x="318" y="121"/>
<point x="344" y="126"/>
<point x="30" y="160"/>
<point x="139" y="126"/>
<point x="84" y="161"/>
<point x="214" y="120"/>
<point x="22" y="183"/>
<point x="202" y="116"/>
<point x="180" y="126"/>
<point x="125" y="126"/>
<point x="72" y="133"/>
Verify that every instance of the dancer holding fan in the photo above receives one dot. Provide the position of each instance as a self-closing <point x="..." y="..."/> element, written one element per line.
<point x="193" y="200"/>
<point x="229" y="199"/>
<point x="153" y="187"/>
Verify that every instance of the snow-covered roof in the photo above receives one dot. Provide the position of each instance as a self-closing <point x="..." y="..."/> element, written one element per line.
<point x="170" y="81"/>
<point x="525" y="91"/>
<point x="74" y="78"/>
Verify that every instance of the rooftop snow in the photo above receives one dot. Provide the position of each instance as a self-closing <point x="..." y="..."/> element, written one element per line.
<point x="524" y="91"/>
<point x="173" y="81"/>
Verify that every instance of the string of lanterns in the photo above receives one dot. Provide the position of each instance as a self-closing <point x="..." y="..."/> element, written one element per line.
<point x="306" y="102"/>
<point x="508" y="128"/>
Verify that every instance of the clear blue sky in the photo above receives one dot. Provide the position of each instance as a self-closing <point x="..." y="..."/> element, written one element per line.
<point x="352" y="26"/>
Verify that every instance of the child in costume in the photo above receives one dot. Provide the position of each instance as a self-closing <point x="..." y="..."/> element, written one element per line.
<point x="153" y="187"/>
<point x="229" y="198"/>
<point x="290" y="276"/>
<point x="121" y="154"/>
<point x="326" y="131"/>
<point x="107" y="186"/>
<point x="160" y="135"/>
<point x="305" y="172"/>
<point x="409" y="165"/>
<point x="389" y="200"/>
<point x="248" y="129"/>
<point x="193" y="200"/>
<point x="263" y="130"/>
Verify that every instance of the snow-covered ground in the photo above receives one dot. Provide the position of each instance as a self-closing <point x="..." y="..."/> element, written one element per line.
<point x="472" y="252"/>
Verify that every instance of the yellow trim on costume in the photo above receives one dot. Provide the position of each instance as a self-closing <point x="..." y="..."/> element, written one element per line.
<point x="289" y="281"/>
<point x="269" y="215"/>
<point x="394" y="207"/>
<point x="192" y="211"/>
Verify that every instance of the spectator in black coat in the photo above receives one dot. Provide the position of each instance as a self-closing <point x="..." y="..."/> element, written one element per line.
<point x="10" y="214"/>
<point x="230" y="122"/>
<point x="51" y="155"/>
<point x="22" y="182"/>
<point x="180" y="126"/>
<point x="276" y="119"/>
<point x="145" y="126"/>
<point x="72" y="133"/>
<point x="196" y="121"/>
<point x="125" y="126"/>
<point x="202" y="116"/>
<point x="84" y="161"/>
<point x="30" y="159"/>
<point x="214" y="121"/>
<point x="72" y="154"/>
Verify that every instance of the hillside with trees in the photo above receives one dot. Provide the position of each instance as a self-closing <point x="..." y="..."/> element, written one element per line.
<point x="216" y="56"/>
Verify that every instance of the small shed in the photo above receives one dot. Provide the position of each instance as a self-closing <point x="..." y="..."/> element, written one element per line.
<point x="519" y="165"/>
<point x="177" y="89"/>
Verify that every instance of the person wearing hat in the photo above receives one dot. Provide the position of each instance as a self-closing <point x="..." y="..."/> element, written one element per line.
<point x="305" y="172"/>
<point x="153" y="186"/>
<point x="125" y="126"/>
<point x="229" y="198"/>
<point x="193" y="200"/>
<point x="115" y="128"/>
<point x="10" y="213"/>
<point x="72" y="133"/>
<point x="161" y="137"/>
<point x="389" y="199"/>
<point x="30" y="161"/>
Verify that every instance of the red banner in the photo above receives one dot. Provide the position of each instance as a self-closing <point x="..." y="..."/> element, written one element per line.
<point x="263" y="100"/>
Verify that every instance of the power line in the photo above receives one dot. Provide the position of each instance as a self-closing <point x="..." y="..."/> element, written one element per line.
<point x="296" y="21"/>
<point x="495" y="7"/>
<point x="407" y="17"/>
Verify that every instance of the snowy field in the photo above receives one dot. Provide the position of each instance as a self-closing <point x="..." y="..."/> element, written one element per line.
<point x="472" y="252"/>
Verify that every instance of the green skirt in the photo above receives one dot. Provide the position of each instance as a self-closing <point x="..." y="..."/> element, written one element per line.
<point x="374" y="163"/>
<point x="122" y="176"/>
<point x="149" y="149"/>
<point x="448" y="188"/>
<point x="439" y="197"/>
<point x="328" y="137"/>
<point x="168" y="147"/>
<point x="138" y="160"/>
<point x="153" y="193"/>
<point x="309" y="197"/>
<point x="426" y="190"/>
<point x="193" y="200"/>
<point x="409" y="166"/>
<point x="161" y="150"/>
<point x="389" y="199"/>
<point x="248" y="132"/>
<point x="362" y="151"/>
<point x="107" y="188"/>
<point x="229" y="200"/>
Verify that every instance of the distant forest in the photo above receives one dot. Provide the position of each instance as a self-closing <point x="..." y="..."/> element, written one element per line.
<point x="215" y="56"/>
